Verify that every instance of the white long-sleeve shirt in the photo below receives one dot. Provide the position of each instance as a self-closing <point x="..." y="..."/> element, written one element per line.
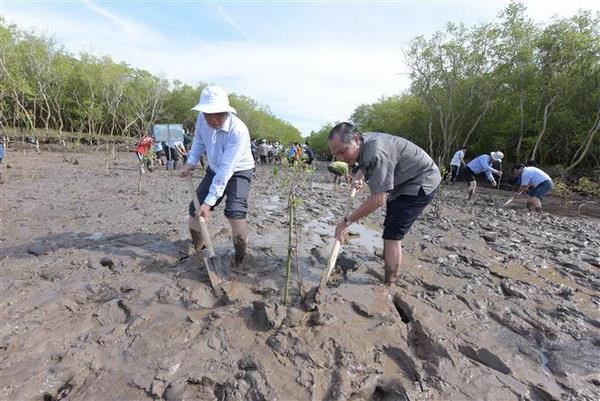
<point x="227" y="150"/>
<point x="483" y="164"/>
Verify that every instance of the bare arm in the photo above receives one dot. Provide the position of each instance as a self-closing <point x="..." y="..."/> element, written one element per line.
<point x="373" y="202"/>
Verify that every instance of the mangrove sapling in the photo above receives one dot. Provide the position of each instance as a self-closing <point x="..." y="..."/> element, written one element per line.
<point x="141" y="174"/>
<point x="294" y="180"/>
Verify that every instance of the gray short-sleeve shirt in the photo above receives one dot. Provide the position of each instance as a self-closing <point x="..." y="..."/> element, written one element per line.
<point x="395" y="165"/>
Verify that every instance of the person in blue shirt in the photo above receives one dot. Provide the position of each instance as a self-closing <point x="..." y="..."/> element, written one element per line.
<point x="482" y="165"/>
<point x="225" y="141"/>
<point x="1" y="158"/>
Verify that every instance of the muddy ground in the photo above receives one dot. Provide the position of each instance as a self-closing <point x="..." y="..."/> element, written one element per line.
<point x="99" y="300"/>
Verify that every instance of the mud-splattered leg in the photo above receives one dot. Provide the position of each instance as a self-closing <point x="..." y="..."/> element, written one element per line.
<point x="195" y="234"/>
<point x="239" y="234"/>
<point x="471" y="189"/>
<point x="392" y="251"/>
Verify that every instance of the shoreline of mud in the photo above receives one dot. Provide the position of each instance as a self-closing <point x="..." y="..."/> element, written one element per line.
<point x="100" y="300"/>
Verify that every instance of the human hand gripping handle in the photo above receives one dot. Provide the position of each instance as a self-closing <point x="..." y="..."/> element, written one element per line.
<point x="186" y="171"/>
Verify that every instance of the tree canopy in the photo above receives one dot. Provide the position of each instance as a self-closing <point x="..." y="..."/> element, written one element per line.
<point x="44" y="87"/>
<point x="530" y="90"/>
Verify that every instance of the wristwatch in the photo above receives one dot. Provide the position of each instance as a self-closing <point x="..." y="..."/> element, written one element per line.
<point x="347" y="220"/>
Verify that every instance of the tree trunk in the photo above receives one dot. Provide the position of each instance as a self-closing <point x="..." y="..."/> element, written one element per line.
<point x="545" y="122"/>
<point x="522" y="123"/>
<point x="585" y="146"/>
<point x="429" y="129"/>
<point x="476" y="123"/>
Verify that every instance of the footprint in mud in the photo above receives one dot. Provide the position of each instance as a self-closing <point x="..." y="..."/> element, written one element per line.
<point x="62" y="392"/>
<point x="390" y="391"/>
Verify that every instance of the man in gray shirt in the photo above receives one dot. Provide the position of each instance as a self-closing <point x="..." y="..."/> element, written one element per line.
<point x="399" y="174"/>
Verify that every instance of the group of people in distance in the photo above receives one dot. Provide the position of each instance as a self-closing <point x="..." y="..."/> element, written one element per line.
<point x="269" y="152"/>
<point x="528" y="177"/>
<point x="399" y="174"/>
<point x="166" y="153"/>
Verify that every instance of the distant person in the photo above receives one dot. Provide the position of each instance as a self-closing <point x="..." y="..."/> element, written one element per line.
<point x="298" y="154"/>
<point x="458" y="160"/>
<point x="225" y="141"/>
<point x="142" y="151"/>
<point x="400" y="175"/>
<point x="158" y="149"/>
<point x="277" y="153"/>
<point x="309" y="154"/>
<point x="271" y="153"/>
<point x="254" y="149"/>
<point x="482" y="165"/>
<point x="174" y="151"/>
<point x="291" y="154"/>
<point x="263" y="151"/>
<point x="1" y="158"/>
<point x="535" y="181"/>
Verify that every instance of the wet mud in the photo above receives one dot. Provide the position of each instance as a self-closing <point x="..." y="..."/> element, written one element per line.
<point x="103" y="300"/>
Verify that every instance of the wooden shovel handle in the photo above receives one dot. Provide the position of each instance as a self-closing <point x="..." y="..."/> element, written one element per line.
<point x="349" y="204"/>
<point x="335" y="249"/>
<point x="203" y="227"/>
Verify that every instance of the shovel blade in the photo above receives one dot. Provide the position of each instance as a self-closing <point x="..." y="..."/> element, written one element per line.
<point x="217" y="272"/>
<point x="508" y="202"/>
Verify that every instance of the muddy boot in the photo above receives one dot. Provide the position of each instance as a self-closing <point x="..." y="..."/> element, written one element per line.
<point x="390" y="274"/>
<point x="197" y="244"/>
<point x="240" y="244"/>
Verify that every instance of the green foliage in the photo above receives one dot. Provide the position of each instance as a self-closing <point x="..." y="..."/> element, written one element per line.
<point x="318" y="139"/>
<point x="404" y="115"/>
<point x="528" y="89"/>
<point x="262" y="123"/>
<point x="42" y="86"/>
<point x="587" y="187"/>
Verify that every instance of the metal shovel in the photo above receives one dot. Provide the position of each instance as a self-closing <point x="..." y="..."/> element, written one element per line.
<point x="217" y="271"/>
<point x="512" y="199"/>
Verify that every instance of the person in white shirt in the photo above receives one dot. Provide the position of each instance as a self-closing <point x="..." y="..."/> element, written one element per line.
<point x="482" y="165"/>
<point x="263" y="150"/>
<point x="225" y="141"/>
<point x="535" y="181"/>
<point x="158" y="149"/>
<point x="458" y="160"/>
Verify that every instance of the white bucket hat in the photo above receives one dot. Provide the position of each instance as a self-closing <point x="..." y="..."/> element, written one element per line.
<point x="213" y="99"/>
<point x="497" y="156"/>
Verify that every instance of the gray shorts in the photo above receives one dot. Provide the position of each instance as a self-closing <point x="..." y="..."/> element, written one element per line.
<point x="236" y="191"/>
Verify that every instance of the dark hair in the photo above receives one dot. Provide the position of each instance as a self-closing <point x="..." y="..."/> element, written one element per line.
<point x="517" y="167"/>
<point x="531" y="163"/>
<point x="344" y="130"/>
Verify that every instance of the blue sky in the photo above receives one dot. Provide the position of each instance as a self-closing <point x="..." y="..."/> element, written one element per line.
<point x="311" y="62"/>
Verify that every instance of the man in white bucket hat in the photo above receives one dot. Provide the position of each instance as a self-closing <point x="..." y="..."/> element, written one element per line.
<point x="225" y="140"/>
<point x="482" y="165"/>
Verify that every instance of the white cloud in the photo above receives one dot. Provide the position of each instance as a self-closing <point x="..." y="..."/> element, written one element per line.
<point x="232" y="23"/>
<point x="308" y="85"/>
<point x="543" y="10"/>
<point x="132" y="32"/>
